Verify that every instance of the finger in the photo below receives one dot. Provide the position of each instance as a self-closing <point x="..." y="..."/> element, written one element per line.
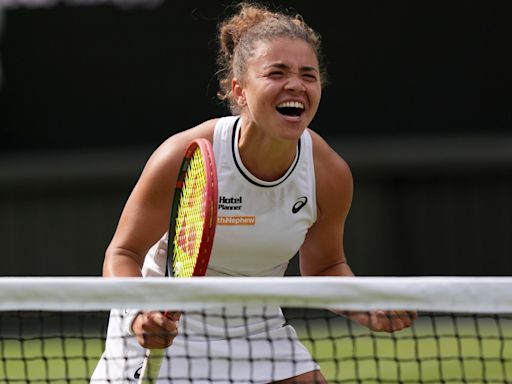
<point x="173" y="315"/>
<point x="158" y="338"/>
<point x="157" y="331"/>
<point x="383" y="321"/>
<point x="407" y="317"/>
<point x="153" y="341"/>
<point x="401" y="319"/>
<point x="413" y="314"/>
<point x="165" y="324"/>
<point x="398" y="320"/>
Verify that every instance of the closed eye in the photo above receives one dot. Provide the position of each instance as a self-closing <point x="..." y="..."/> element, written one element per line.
<point x="276" y="74"/>
<point x="310" y="76"/>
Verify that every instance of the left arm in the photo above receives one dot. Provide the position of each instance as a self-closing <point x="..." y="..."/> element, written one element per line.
<point x="322" y="253"/>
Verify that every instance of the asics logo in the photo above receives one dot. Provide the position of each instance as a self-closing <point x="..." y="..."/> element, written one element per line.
<point x="301" y="202"/>
<point x="136" y="375"/>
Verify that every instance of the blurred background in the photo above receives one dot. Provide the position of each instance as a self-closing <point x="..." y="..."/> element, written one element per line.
<point x="419" y="105"/>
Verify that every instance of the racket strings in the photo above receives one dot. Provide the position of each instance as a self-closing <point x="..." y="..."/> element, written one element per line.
<point x="191" y="217"/>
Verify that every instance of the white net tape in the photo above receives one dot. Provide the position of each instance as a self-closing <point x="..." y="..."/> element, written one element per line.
<point x="446" y="294"/>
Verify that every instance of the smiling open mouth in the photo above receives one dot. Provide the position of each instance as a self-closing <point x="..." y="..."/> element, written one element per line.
<point x="290" y="108"/>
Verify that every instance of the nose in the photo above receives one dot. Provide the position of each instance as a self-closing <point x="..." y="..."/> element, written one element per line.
<point x="295" y="83"/>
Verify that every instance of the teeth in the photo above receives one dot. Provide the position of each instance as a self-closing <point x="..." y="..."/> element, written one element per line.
<point x="291" y="104"/>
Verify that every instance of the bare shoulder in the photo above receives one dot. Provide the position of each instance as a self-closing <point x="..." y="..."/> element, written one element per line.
<point x="183" y="138"/>
<point x="334" y="182"/>
<point x="162" y="167"/>
<point x="330" y="167"/>
<point x="173" y="148"/>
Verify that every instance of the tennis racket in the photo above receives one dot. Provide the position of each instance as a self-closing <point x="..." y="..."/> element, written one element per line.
<point x="191" y="228"/>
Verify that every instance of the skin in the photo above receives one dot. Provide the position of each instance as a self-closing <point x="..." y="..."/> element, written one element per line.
<point x="280" y="70"/>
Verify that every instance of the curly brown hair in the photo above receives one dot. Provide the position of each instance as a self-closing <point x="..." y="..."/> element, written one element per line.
<point x="254" y="23"/>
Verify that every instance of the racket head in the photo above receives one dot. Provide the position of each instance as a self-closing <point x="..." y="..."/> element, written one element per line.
<point x="194" y="212"/>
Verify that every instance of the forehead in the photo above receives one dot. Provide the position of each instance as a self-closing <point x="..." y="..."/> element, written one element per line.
<point x="292" y="52"/>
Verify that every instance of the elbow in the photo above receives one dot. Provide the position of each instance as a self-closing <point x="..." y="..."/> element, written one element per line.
<point x="340" y="268"/>
<point x="121" y="262"/>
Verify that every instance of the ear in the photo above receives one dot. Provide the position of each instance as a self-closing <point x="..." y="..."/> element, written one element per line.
<point x="238" y="92"/>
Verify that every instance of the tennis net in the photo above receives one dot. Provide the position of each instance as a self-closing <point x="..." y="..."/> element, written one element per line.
<point x="53" y="330"/>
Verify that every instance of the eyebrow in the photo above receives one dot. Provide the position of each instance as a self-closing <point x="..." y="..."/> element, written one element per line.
<point x="305" y="68"/>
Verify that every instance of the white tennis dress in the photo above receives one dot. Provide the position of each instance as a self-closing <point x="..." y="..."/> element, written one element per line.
<point x="261" y="226"/>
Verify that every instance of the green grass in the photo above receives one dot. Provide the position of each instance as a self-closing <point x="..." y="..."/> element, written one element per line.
<point x="443" y="351"/>
<point x="69" y="361"/>
<point x="346" y="354"/>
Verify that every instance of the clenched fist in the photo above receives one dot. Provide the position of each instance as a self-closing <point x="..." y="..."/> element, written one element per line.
<point x="156" y="330"/>
<point x="382" y="321"/>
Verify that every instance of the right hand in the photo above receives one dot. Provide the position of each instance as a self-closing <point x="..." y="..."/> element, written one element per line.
<point x="156" y="330"/>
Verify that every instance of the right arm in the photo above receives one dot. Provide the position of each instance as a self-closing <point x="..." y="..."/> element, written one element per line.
<point x="144" y="220"/>
<point x="145" y="217"/>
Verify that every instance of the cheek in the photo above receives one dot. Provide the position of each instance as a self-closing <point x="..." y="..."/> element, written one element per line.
<point x="315" y="94"/>
<point x="263" y="96"/>
<point x="319" y="96"/>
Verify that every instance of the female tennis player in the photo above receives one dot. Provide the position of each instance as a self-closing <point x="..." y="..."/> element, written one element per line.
<point x="282" y="190"/>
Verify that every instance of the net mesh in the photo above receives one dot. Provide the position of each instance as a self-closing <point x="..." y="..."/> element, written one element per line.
<point x="241" y="338"/>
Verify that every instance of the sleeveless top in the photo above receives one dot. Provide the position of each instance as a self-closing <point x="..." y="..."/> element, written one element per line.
<point x="260" y="225"/>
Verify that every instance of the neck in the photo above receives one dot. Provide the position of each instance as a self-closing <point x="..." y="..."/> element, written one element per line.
<point x="265" y="157"/>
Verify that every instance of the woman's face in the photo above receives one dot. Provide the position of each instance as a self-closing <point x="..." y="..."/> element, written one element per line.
<point x="281" y="89"/>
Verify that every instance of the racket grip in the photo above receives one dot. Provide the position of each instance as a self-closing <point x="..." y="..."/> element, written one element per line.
<point x="153" y="361"/>
<point x="151" y="366"/>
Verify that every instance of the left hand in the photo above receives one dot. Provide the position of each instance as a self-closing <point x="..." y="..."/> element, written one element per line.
<point x="383" y="321"/>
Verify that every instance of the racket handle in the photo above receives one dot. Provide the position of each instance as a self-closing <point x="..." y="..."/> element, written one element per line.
<point x="153" y="361"/>
<point x="151" y="366"/>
